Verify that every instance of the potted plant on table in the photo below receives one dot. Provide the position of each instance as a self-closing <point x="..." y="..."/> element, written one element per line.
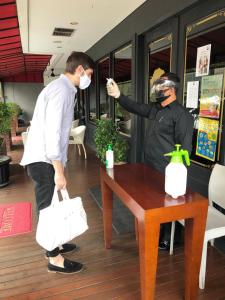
<point x="108" y="133"/>
<point x="5" y="121"/>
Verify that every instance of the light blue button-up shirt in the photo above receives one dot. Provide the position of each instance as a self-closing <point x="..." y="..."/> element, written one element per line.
<point x="48" y="137"/>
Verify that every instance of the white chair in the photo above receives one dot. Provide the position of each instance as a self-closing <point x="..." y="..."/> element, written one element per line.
<point x="75" y="123"/>
<point x="104" y="116"/>
<point x="77" y="135"/>
<point x="215" y="226"/>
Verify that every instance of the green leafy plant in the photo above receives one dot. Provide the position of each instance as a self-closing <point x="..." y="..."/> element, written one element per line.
<point x="2" y="146"/>
<point x="107" y="133"/>
<point x="15" y="109"/>
<point x="5" y="118"/>
<point x="5" y="125"/>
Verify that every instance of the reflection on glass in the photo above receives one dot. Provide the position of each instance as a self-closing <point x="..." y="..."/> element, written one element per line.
<point x="92" y="100"/>
<point x="159" y="59"/>
<point x="122" y="71"/>
<point x="103" y="71"/>
<point x="202" y="33"/>
<point x="79" y="110"/>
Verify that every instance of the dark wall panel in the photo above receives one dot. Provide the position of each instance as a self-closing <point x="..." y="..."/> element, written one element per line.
<point x="148" y="15"/>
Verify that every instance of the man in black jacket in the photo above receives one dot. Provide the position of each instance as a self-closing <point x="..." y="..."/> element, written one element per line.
<point x="169" y="123"/>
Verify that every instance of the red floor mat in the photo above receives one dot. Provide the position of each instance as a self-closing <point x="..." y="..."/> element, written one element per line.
<point x="15" y="218"/>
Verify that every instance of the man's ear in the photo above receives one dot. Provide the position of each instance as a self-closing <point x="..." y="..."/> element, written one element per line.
<point x="79" y="69"/>
<point x="173" y="90"/>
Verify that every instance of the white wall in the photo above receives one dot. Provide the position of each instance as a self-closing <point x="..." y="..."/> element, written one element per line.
<point x="24" y="94"/>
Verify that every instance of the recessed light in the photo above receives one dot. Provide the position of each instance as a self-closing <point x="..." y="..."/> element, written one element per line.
<point x="74" y="23"/>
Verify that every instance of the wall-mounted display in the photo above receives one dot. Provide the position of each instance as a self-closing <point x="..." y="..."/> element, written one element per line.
<point x="207" y="138"/>
<point x="211" y="93"/>
<point x="192" y="94"/>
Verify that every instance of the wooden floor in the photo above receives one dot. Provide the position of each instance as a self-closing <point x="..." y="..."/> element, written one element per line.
<point x="109" y="274"/>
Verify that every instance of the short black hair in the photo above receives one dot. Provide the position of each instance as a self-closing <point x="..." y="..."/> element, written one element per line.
<point x="173" y="77"/>
<point x="79" y="58"/>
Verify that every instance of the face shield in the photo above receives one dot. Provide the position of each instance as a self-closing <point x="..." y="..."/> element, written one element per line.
<point x="160" y="86"/>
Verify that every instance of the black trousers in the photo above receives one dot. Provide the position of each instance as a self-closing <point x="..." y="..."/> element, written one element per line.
<point x="42" y="175"/>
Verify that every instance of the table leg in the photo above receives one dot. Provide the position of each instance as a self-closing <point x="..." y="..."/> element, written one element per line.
<point x="194" y="237"/>
<point x="148" y="237"/>
<point x="136" y="229"/>
<point x="107" y="205"/>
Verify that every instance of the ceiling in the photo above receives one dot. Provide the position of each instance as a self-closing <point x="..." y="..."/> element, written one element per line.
<point x="37" y="20"/>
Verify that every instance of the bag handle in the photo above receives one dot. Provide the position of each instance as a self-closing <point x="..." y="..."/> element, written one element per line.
<point x="55" y="198"/>
<point x="65" y="194"/>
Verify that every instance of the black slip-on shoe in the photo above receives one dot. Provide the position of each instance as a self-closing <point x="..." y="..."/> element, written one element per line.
<point x="165" y="245"/>
<point x="66" y="248"/>
<point x="70" y="267"/>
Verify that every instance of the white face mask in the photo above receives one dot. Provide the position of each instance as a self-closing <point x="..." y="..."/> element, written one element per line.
<point x="84" y="81"/>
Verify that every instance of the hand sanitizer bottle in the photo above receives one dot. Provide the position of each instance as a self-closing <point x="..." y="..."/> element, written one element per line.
<point x="176" y="173"/>
<point x="109" y="157"/>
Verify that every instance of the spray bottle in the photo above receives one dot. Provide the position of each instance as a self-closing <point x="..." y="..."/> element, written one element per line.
<point x="109" y="157"/>
<point x="176" y="173"/>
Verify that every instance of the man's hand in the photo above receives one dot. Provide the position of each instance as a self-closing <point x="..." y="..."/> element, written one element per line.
<point x="113" y="89"/>
<point x="59" y="178"/>
<point x="60" y="181"/>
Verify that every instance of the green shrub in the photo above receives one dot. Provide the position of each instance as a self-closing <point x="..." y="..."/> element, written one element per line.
<point x="107" y="133"/>
<point x="5" y="118"/>
<point x="15" y="109"/>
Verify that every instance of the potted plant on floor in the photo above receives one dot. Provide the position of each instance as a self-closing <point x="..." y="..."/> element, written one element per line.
<point x="15" y="112"/>
<point x="108" y="133"/>
<point x="5" y="121"/>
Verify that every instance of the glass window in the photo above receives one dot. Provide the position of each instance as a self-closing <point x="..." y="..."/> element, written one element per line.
<point x="103" y="72"/>
<point x="159" y="59"/>
<point x="122" y="75"/>
<point x="204" y="85"/>
<point x="92" y="100"/>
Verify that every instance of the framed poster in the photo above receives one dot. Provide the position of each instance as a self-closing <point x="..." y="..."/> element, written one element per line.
<point x="203" y="60"/>
<point x="207" y="138"/>
<point x="211" y="93"/>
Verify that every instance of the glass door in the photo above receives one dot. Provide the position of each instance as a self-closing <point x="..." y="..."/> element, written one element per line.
<point x="103" y="73"/>
<point x="203" y="92"/>
<point x="122" y="75"/>
<point x="159" y="60"/>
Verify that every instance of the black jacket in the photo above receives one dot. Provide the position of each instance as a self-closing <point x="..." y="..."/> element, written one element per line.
<point x="167" y="126"/>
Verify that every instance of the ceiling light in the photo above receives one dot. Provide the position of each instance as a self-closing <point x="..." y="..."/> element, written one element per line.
<point x="74" y="23"/>
<point x="57" y="42"/>
<point x="63" y="31"/>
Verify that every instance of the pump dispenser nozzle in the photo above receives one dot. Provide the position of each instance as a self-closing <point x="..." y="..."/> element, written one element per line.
<point x="176" y="156"/>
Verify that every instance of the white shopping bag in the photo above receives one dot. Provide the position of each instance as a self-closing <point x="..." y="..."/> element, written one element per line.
<point x="61" y="222"/>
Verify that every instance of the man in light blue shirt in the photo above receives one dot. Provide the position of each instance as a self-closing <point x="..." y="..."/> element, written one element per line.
<point x="45" y="152"/>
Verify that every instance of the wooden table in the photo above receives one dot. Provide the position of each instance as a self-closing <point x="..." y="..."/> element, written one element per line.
<point x="141" y="189"/>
